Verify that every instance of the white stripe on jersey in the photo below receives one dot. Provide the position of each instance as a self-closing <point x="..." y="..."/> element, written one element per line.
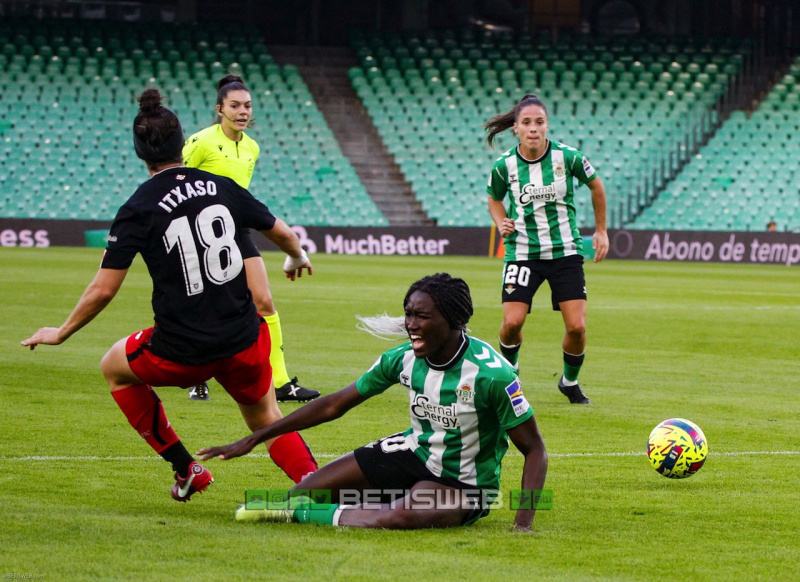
<point x="408" y="370"/>
<point x="563" y="216"/>
<point x="433" y="390"/>
<point x="540" y="214"/>
<point x="522" y="243"/>
<point x="469" y="426"/>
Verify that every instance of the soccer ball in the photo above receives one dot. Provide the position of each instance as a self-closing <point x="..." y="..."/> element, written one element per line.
<point x="677" y="448"/>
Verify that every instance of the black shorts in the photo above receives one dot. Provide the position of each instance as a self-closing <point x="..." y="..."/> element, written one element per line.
<point x="390" y="466"/>
<point x="521" y="279"/>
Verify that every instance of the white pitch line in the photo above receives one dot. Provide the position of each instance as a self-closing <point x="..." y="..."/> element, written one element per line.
<point x="332" y="456"/>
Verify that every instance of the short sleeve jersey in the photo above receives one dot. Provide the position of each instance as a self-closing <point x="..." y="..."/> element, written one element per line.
<point x="211" y="150"/>
<point x="541" y="201"/>
<point x="459" y="414"/>
<point x="186" y="224"/>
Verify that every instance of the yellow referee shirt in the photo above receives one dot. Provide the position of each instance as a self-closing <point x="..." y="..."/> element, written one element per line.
<point x="211" y="150"/>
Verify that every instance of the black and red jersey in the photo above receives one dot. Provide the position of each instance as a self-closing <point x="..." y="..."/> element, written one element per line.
<point x="187" y="224"/>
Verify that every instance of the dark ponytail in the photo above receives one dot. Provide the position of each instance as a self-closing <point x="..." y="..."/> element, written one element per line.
<point x="157" y="133"/>
<point x="503" y="121"/>
<point x="228" y="83"/>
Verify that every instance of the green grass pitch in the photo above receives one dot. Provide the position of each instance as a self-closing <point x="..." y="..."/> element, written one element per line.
<point x="84" y="498"/>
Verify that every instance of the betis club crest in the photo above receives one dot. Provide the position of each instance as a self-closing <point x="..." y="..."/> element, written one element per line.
<point x="465" y="393"/>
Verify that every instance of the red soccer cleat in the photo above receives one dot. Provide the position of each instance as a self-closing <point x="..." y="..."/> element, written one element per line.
<point x="196" y="481"/>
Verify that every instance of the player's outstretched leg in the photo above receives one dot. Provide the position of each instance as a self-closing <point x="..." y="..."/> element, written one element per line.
<point x="142" y="407"/>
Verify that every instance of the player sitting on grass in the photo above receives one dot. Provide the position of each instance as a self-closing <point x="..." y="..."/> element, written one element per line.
<point x="186" y="223"/>
<point x="442" y="471"/>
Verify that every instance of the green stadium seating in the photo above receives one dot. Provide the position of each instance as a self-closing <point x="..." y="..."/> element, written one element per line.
<point x="637" y="107"/>
<point x="632" y="107"/>
<point x="729" y="184"/>
<point x="86" y="76"/>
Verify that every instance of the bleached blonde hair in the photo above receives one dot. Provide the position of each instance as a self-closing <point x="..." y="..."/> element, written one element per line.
<point x="384" y="326"/>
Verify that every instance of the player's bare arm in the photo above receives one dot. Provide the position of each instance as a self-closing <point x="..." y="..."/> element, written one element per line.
<point x="95" y="298"/>
<point x="600" y="238"/>
<point x="497" y="210"/>
<point x="527" y="438"/>
<point x="317" y="412"/>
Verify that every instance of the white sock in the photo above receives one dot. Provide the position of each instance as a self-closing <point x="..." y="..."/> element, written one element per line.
<point x="336" y="514"/>
<point x="565" y="382"/>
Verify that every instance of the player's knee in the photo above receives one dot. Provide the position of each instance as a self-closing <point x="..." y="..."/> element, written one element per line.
<point x="576" y="330"/>
<point x="512" y="326"/>
<point x="109" y="366"/>
<point x="104" y="366"/>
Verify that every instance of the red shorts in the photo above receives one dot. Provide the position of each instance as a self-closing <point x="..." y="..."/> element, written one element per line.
<point x="246" y="376"/>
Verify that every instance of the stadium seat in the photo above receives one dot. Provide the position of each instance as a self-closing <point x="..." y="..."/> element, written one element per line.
<point x="84" y="91"/>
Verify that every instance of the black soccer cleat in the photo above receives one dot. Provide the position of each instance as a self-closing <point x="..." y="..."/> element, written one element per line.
<point x="293" y="392"/>
<point x="574" y="393"/>
<point x="199" y="392"/>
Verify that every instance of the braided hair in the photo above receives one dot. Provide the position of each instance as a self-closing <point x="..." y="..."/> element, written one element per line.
<point x="450" y="295"/>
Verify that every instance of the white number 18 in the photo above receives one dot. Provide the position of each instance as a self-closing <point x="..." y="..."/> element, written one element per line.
<point x="222" y="259"/>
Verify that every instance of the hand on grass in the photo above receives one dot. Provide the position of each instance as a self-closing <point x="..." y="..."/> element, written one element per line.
<point x="45" y="335"/>
<point x="231" y="451"/>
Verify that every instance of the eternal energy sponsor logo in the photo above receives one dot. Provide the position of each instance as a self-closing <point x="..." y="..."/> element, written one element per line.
<point x="531" y="193"/>
<point x="424" y="409"/>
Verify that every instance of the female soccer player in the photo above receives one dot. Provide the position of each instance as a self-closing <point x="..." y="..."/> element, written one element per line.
<point x="542" y="241"/>
<point x="186" y="224"/>
<point x="441" y="472"/>
<point x="225" y="149"/>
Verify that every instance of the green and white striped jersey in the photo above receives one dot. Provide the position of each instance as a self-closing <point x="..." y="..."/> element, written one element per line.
<point x="459" y="413"/>
<point x="542" y="205"/>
